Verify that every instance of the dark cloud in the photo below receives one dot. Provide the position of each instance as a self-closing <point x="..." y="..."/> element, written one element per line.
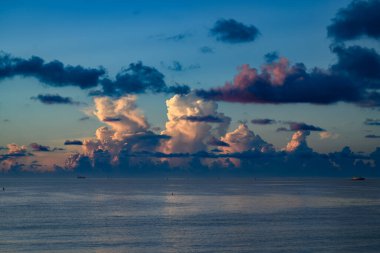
<point x="360" y="63"/>
<point x="300" y="126"/>
<point x="84" y="118"/>
<point x="281" y="83"/>
<point x="37" y="147"/>
<point x="282" y="129"/>
<point x="372" y="122"/>
<point x="216" y="142"/>
<point x="178" y="37"/>
<point x="231" y="31"/>
<point x="73" y="142"/>
<point x="271" y="57"/>
<point x="263" y="121"/>
<point x="208" y="118"/>
<point x="138" y="78"/>
<point x="177" y="66"/>
<point x="50" y="99"/>
<point x="359" y="18"/>
<point x="53" y="73"/>
<point x="372" y="136"/>
<point x="206" y="50"/>
<point x="111" y="119"/>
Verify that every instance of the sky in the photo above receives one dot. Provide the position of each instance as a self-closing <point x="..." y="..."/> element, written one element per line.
<point x="189" y="84"/>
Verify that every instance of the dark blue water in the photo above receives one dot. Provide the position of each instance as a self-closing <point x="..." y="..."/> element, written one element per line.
<point x="142" y="215"/>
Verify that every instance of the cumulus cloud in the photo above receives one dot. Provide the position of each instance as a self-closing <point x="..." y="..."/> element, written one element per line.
<point x="192" y="121"/>
<point x="14" y="149"/>
<point x="73" y="142"/>
<point x="279" y="82"/>
<point x="232" y="31"/>
<point x="50" y="99"/>
<point x="298" y="143"/>
<point x="328" y="135"/>
<point x="53" y="73"/>
<point x="263" y="121"/>
<point x="359" y="18"/>
<point x="243" y="139"/>
<point x="216" y="142"/>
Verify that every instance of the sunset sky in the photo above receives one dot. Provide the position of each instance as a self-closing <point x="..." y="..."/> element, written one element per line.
<point x="176" y="78"/>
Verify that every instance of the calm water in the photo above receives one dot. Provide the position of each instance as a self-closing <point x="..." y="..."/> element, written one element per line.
<point x="142" y="215"/>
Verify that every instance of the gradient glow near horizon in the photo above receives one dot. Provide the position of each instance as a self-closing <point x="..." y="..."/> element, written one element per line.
<point x="238" y="60"/>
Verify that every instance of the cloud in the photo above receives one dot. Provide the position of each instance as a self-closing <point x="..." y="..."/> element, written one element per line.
<point x="84" y="118"/>
<point x="50" y="99"/>
<point x="178" y="37"/>
<point x="207" y="118"/>
<point x="372" y="136"/>
<point x="215" y="142"/>
<point x="279" y="82"/>
<point x="192" y="122"/>
<point x="300" y="126"/>
<point x="14" y="149"/>
<point x="263" y="121"/>
<point x="271" y="57"/>
<point x="359" y="18"/>
<point x="53" y="73"/>
<point x="372" y="122"/>
<point x="231" y="31"/>
<point x="298" y="143"/>
<point x="243" y="139"/>
<point x="111" y="119"/>
<point x="136" y="79"/>
<point x="206" y="50"/>
<point x="177" y="66"/>
<point x="360" y="63"/>
<point x="328" y="135"/>
<point x="37" y="147"/>
<point x="73" y="142"/>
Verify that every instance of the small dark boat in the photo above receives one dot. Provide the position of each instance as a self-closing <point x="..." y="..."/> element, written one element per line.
<point x="81" y="177"/>
<point x="357" y="178"/>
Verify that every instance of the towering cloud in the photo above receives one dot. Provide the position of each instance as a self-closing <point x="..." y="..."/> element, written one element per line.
<point x="232" y="31"/>
<point x="53" y="73"/>
<point x="298" y="143"/>
<point x="191" y="123"/>
<point x="360" y="18"/>
<point x="243" y="139"/>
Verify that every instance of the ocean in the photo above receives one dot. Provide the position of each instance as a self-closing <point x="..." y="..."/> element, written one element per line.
<point x="189" y="215"/>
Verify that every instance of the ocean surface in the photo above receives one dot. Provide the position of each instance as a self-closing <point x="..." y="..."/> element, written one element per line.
<point x="189" y="215"/>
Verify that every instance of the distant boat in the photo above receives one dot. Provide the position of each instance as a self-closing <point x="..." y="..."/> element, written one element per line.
<point x="357" y="178"/>
<point x="81" y="177"/>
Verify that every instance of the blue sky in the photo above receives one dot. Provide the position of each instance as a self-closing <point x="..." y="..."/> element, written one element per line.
<point x="113" y="34"/>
